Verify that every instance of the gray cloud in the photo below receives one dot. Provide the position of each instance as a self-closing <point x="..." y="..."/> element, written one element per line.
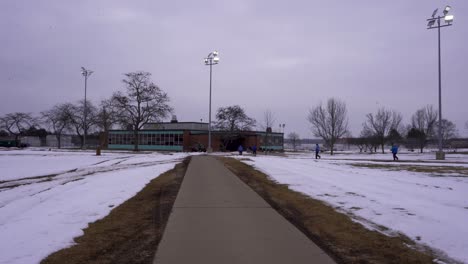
<point x="285" y="56"/>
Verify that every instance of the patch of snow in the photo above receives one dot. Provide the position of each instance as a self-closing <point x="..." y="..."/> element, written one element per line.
<point x="41" y="215"/>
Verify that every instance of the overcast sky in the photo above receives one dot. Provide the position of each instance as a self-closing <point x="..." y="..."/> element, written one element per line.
<point x="285" y="56"/>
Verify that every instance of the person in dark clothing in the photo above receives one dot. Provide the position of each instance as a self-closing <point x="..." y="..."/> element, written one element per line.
<point x="317" y="151"/>
<point x="394" y="150"/>
<point x="254" y="150"/>
<point x="240" y="149"/>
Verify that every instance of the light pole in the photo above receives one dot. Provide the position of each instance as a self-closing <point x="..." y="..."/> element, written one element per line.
<point x="86" y="73"/>
<point x="440" y="155"/>
<point x="210" y="60"/>
<point x="281" y="126"/>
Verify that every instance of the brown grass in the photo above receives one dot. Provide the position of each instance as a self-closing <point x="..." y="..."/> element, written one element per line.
<point x="346" y="241"/>
<point x="132" y="231"/>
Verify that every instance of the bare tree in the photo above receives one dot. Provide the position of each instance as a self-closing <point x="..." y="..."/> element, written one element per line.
<point x="294" y="139"/>
<point x="268" y="123"/>
<point x="4" y="133"/>
<point x="106" y="116"/>
<point x="382" y="123"/>
<point x="17" y="123"/>
<point x="329" y="122"/>
<point x="449" y="130"/>
<point x="370" y="141"/>
<point x="423" y="121"/>
<point x="77" y="119"/>
<point x="269" y="119"/>
<point x="59" y="118"/>
<point x="359" y="142"/>
<point x="233" y="118"/>
<point x="142" y="103"/>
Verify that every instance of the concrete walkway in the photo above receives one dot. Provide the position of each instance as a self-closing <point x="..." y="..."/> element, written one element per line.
<point x="218" y="219"/>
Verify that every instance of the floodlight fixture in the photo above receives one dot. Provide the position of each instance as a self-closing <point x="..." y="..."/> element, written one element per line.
<point x="447" y="9"/>
<point x="86" y="72"/>
<point x="216" y="59"/>
<point x="448" y="18"/>
<point x="431" y="23"/>
<point x="435" y="12"/>
<point x="215" y="53"/>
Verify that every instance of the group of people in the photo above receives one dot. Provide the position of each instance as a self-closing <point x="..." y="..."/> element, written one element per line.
<point x="394" y="150"/>
<point x="253" y="148"/>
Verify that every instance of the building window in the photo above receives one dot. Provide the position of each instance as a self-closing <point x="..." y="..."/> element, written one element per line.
<point x="154" y="139"/>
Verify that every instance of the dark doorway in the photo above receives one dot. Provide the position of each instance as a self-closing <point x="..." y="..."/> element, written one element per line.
<point x="232" y="143"/>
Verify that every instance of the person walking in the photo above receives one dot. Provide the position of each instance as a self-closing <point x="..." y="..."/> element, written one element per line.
<point x="240" y="149"/>
<point x="317" y="151"/>
<point x="254" y="150"/>
<point x="394" y="150"/>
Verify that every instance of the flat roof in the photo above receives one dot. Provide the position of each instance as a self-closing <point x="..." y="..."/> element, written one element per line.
<point x="176" y="123"/>
<point x="203" y="131"/>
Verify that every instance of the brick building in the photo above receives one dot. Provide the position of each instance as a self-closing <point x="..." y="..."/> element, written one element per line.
<point x="191" y="136"/>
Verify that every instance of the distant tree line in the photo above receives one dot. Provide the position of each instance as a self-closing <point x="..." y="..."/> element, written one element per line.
<point x="141" y="102"/>
<point x="379" y="129"/>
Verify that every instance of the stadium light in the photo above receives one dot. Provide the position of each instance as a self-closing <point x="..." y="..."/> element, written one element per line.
<point x="210" y="60"/>
<point x="440" y="155"/>
<point x="86" y="73"/>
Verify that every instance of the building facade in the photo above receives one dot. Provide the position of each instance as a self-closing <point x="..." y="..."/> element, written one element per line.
<point x="191" y="136"/>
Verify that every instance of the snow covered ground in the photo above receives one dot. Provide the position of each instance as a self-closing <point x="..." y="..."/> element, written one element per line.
<point x="48" y="197"/>
<point x="431" y="207"/>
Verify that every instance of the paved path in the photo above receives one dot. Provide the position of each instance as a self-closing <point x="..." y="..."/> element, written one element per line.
<point x="218" y="219"/>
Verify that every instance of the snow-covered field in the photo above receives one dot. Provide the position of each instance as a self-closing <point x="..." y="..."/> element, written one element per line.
<point x="429" y="207"/>
<point x="48" y="197"/>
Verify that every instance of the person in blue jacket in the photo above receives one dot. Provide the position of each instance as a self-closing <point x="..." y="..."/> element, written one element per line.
<point x="240" y="149"/>
<point x="394" y="150"/>
<point x="317" y="151"/>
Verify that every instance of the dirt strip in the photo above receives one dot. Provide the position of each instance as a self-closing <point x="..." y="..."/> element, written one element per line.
<point x="344" y="239"/>
<point x="132" y="231"/>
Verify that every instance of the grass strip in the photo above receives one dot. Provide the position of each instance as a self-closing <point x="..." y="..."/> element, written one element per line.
<point x="343" y="239"/>
<point x="132" y="231"/>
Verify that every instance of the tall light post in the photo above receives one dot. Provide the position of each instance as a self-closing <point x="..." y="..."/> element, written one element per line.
<point x="210" y="60"/>
<point x="86" y="73"/>
<point x="440" y="155"/>
<point x="281" y="126"/>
